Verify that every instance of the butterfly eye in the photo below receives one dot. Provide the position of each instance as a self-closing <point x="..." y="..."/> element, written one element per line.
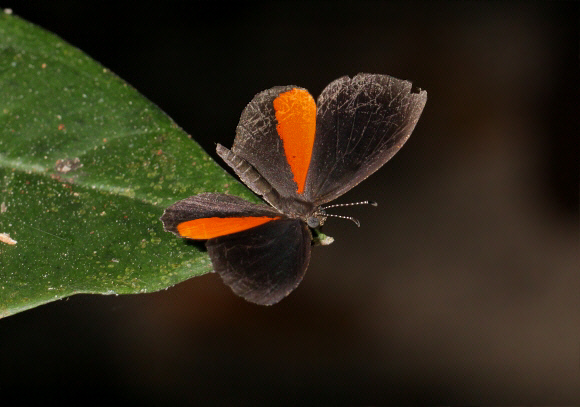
<point x="313" y="222"/>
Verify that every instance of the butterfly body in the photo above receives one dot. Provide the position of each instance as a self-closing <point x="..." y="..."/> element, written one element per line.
<point x="298" y="155"/>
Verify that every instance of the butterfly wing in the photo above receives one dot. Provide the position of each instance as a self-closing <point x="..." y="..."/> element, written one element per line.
<point x="360" y="124"/>
<point x="207" y="215"/>
<point x="273" y="144"/>
<point x="258" y="252"/>
<point x="263" y="264"/>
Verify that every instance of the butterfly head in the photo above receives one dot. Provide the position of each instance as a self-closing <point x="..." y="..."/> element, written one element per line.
<point x="318" y="217"/>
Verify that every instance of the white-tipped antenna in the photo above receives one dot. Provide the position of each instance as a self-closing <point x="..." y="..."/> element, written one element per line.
<point x="356" y="222"/>
<point x="373" y="203"/>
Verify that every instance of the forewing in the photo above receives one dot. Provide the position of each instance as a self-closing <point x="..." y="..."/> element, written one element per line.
<point x="207" y="215"/>
<point x="275" y="136"/>
<point x="360" y="124"/>
<point x="263" y="264"/>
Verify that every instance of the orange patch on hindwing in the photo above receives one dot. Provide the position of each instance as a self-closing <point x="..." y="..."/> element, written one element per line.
<point x="296" y="116"/>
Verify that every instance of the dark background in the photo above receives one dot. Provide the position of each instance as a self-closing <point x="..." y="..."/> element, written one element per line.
<point x="462" y="287"/>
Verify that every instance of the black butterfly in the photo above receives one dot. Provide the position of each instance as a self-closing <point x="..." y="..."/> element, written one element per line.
<point x="298" y="155"/>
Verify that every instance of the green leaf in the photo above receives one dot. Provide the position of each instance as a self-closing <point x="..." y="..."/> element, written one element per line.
<point x="87" y="166"/>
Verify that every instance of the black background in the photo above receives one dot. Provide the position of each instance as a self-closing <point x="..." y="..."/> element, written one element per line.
<point x="462" y="287"/>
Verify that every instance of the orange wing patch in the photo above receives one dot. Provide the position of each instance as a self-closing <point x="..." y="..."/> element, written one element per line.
<point x="208" y="228"/>
<point x="296" y="116"/>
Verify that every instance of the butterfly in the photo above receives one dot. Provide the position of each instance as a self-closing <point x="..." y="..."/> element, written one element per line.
<point x="298" y="155"/>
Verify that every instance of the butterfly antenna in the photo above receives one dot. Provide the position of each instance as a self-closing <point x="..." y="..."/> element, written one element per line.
<point x="355" y="220"/>
<point x="373" y="203"/>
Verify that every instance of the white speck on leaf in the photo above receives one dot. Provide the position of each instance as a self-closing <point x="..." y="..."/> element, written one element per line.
<point x="5" y="238"/>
